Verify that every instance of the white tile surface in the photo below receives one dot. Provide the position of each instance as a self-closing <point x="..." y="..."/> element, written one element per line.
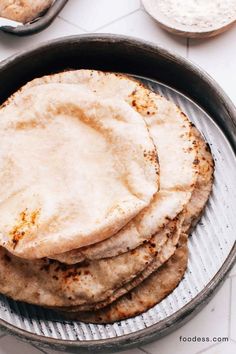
<point x="11" y="345"/>
<point x="233" y="310"/>
<point x="212" y="321"/>
<point x="11" y="44"/>
<point x="227" y="348"/>
<point x="92" y="14"/>
<point x="217" y="56"/>
<point x="141" y="25"/>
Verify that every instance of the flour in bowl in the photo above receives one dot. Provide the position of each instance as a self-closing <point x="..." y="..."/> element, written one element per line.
<point x="202" y="13"/>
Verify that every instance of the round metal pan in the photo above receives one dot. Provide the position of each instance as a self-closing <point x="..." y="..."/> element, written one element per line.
<point x="212" y="244"/>
<point x="39" y="24"/>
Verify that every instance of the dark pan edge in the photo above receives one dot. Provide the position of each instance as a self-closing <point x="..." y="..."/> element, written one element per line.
<point x="184" y="314"/>
<point x="200" y="79"/>
<point x="39" y="25"/>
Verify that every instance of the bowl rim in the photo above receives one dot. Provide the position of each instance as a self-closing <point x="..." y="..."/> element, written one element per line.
<point x="181" y="316"/>
<point x="186" y="30"/>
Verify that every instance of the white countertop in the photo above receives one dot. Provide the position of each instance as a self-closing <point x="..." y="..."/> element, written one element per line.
<point x="218" y="57"/>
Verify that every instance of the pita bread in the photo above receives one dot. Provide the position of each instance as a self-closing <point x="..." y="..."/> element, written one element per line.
<point x="74" y="170"/>
<point x="193" y="209"/>
<point x="50" y="283"/>
<point x="149" y="293"/>
<point x="53" y="284"/>
<point x="203" y="186"/>
<point x="129" y="305"/>
<point x="172" y="134"/>
<point x="133" y="234"/>
<point x="165" y="248"/>
<point x="164" y="244"/>
<point x="167" y="245"/>
<point x="84" y="289"/>
<point x="23" y="11"/>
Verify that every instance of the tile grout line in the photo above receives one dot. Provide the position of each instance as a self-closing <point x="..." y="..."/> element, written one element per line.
<point x="73" y="24"/>
<point x="116" y="20"/>
<point x="39" y="349"/>
<point x="206" y="349"/>
<point x="141" y="5"/>
<point x="101" y="27"/>
<point x="230" y="306"/>
<point x="143" y="350"/>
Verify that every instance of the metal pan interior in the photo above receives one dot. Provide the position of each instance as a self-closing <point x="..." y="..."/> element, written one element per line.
<point x="211" y="254"/>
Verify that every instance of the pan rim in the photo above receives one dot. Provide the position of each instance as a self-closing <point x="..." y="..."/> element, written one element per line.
<point x="177" y="319"/>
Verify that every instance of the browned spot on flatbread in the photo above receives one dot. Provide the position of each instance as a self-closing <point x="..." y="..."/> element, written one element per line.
<point x="142" y="100"/>
<point x="26" y="221"/>
<point x="29" y="124"/>
<point x="152" y="156"/>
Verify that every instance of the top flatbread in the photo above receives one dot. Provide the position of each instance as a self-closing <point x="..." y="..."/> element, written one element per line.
<point x="74" y="169"/>
<point x="23" y="11"/>
<point x="172" y="134"/>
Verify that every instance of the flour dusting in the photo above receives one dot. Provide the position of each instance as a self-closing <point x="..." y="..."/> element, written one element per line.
<point x="201" y="13"/>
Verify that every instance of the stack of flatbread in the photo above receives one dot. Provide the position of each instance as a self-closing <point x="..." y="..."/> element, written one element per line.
<point x="101" y="181"/>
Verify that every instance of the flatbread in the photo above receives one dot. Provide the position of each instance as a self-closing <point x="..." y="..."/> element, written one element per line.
<point x="134" y="233"/>
<point x="23" y="11"/>
<point x="149" y="293"/>
<point x="164" y="244"/>
<point x="74" y="170"/>
<point x="172" y="134"/>
<point x="95" y="284"/>
<point x="49" y="283"/>
<point x="203" y="186"/>
<point x="167" y="246"/>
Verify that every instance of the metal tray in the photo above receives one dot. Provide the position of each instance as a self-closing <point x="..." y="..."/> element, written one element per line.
<point x="38" y="24"/>
<point x="212" y="244"/>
